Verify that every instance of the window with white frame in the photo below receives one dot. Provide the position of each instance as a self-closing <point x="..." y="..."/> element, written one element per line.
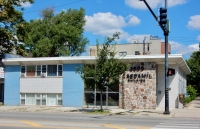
<point x="50" y="99"/>
<point x="41" y="70"/>
<point x="51" y="70"/>
<point x="122" y="53"/>
<point x="30" y="70"/>
<point x="44" y="68"/>
<point x="38" y="70"/>
<point x="59" y="70"/>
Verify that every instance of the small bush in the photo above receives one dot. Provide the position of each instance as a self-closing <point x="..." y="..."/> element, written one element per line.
<point x="192" y="92"/>
<point x="187" y="100"/>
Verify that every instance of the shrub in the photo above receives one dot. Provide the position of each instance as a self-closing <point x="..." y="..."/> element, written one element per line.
<point x="192" y="92"/>
<point x="187" y="99"/>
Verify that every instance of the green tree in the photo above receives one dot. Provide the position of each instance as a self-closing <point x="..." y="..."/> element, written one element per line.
<point x="107" y="68"/>
<point x="194" y="65"/>
<point x="12" y="25"/>
<point x="54" y="35"/>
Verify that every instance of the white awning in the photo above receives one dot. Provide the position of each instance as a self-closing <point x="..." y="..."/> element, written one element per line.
<point x="159" y="59"/>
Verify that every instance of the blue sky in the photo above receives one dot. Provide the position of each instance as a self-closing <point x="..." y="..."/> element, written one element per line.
<point x="132" y="19"/>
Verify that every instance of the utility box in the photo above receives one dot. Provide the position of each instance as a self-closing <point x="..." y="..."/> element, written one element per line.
<point x="181" y="98"/>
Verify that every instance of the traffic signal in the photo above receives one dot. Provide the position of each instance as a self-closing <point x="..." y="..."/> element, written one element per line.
<point x="163" y="16"/>
<point x="171" y="72"/>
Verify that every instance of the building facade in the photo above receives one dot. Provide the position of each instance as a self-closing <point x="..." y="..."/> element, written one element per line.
<point x="152" y="46"/>
<point x="53" y="81"/>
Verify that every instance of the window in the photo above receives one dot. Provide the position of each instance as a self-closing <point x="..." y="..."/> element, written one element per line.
<point x="52" y="70"/>
<point x="30" y="70"/>
<point x="41" y="70"/>
<point x="136" y="52"/>
<point x="59" y="70"/>
<point x="30" y="99"/>
<point x="23" y="70"/>
<point x="22" y="99"/>
<point x="41" y="99"/>
<point x="44" y="68"/>
<point x="38" y="70"/>
<point x="122" y="53"/>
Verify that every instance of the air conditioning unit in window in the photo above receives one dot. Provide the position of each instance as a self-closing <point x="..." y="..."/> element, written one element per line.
<point x="43" y="75"/>
<point x="23" y="75"/>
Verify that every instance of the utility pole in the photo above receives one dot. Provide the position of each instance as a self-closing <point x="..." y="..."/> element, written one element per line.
<point x="164" y="24"/>
<point x="166" y="34"/>
<point x="144" y="46"/>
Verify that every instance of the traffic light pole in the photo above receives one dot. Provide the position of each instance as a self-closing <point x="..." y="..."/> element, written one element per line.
<point x="166" y="34"/>
<point x="166" y="76"/>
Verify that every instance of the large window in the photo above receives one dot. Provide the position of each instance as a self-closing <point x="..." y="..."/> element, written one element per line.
<point x="41" y="70"/>
<point x="41" y="99"/>
<point x="110" y="96"/>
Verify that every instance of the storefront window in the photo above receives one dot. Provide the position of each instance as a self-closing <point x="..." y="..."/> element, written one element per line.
<point x="110" y="96"/>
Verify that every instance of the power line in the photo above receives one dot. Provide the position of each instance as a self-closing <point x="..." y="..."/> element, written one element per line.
<point x="56" y="6"/>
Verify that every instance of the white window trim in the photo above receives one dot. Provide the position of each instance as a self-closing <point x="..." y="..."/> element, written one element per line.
<point x="41" y="71"/>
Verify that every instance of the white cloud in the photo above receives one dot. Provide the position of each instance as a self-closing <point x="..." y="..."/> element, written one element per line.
<point x="198" y="38"/>
<point x="105" y="24"/>
<point x="178" y="48"/>
<point x="153" y="3"/>
<point x="133" y="20"/>
<point x="194" y="22"/>
<point x="26" y="4"/>
<point x="175" y="2"/>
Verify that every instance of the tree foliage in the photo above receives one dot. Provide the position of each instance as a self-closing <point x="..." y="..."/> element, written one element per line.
<point x="192" y="92"/>
<point x="12" y="25"/>
<point x="194" y="65"/>
<point x="57" y="34"/>
<point x="107" y="68"/>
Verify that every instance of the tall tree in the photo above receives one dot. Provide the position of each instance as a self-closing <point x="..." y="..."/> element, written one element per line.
<point x="194" y="65"/>
<point x="107" y="68"/>
<point x="11" y="25"/>
<point x="57" y="34"/>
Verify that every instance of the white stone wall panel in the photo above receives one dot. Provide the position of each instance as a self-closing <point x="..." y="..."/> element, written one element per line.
<point x="41" y="85"/>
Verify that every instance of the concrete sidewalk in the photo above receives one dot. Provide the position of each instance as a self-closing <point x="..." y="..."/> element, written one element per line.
<point x="191" y="111"/>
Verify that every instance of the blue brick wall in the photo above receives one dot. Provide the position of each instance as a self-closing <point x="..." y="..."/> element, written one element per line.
<point x="73" y="86"/>
<point x="12" y="85"/>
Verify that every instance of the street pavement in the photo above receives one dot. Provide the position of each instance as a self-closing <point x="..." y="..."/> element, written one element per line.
<point x="192" y="110"/>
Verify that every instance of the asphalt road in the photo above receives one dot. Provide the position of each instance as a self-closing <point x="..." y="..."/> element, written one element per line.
<point x="39" y="120"/>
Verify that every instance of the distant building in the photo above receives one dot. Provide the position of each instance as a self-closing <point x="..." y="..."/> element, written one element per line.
<point x="152" y="46"/>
